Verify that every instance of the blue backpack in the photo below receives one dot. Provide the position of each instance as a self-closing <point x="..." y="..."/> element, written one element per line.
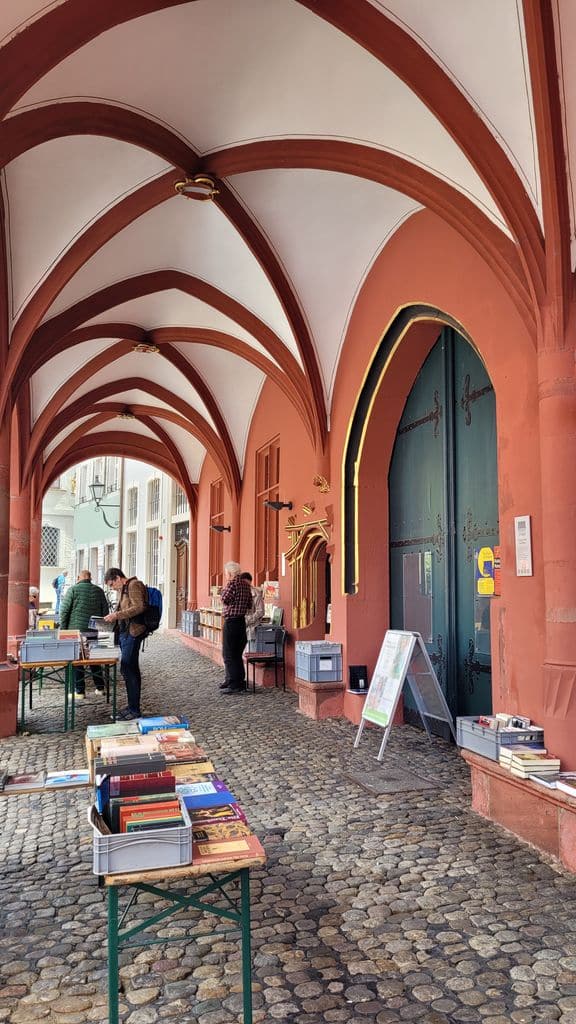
<point x="153" y="613"/>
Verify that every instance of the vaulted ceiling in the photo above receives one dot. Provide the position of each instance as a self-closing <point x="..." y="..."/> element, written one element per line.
<point x="136" y="314"/>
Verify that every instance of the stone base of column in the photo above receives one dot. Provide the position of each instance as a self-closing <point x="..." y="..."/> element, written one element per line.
<point x="8" y="699"/>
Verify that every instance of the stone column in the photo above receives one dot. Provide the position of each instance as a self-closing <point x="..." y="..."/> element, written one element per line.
<point x="35" y="546"/>
<point x="557" y="411"/>
<point x="19" y="567"/>
<point x="8" y="672"/>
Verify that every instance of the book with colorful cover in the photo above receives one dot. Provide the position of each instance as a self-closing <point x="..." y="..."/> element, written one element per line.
<point x="120" y="746"/>
<point x="567" y="786"/>
<point x="112" y="808"/>
<point x="97" y="732"/>
<point x="241" y="848"/>
<point x="130" y="764"/>
<point x="67" y="777"/>
<point x="507" y="753"/>
<point x="210" y="793"/>
<point x="221" y="830"/>
<point x="24" y="780"/>
<point x="175" y="737"/>
<point x="146" y="826"/>
<point x="551" y="779"/>
<point x="159" y="723"/>
<point x="215" y="815"/>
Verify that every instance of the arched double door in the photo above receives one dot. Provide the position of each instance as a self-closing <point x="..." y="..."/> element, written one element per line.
<point x="444" y="509"/>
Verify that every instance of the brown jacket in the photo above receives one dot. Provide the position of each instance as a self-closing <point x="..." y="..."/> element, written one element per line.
<point x="133" y="602"/>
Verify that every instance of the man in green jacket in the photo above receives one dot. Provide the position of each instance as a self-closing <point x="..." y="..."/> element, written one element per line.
<point x="80" y="603"/>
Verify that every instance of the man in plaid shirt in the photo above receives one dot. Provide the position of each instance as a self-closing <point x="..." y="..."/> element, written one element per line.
<point x="236" y="601"/>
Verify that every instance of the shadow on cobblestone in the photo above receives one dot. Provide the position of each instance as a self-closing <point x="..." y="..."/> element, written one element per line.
<point x="400" y="907"/>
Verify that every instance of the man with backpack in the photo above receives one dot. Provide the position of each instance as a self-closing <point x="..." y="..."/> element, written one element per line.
<point x="130" y="615"/>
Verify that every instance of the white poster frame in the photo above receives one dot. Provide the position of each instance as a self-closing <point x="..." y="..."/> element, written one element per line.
<point x="392" y="670"/>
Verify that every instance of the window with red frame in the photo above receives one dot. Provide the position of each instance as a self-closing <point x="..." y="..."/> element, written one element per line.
<point x="267" y="489"/>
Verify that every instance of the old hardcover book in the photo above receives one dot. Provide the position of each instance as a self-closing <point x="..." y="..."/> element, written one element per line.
<point x="97" y="732"/>
<point x="567" y="786"/>
<point x="228" y="849"/>
<point x="67" y="777"/>
<point x="221" y="830"/>
<point x="212" y="793"/>
<point x="145" y="826"/>
<point x="159" y="723"/>
<point x="24" y="780"/>
<point x="130" y="764"/>
<point x="213" y="815"/>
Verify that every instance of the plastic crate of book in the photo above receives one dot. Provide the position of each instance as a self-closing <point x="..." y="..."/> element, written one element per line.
<point x="155" y="848"/>
<point x="488" y="742"/>
<point x="41" y="634"/>
<point x="49" y="651"/>
<point x="318" y="661"/>
<point x="263" y="640"/>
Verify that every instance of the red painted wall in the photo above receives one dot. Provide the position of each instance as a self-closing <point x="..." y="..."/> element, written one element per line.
<point x="426" y="262"/>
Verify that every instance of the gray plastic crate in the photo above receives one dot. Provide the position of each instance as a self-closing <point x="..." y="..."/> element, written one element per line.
<point x="48" y="651"/>
<point x="194" y="623"/>
<point x="317" y="647"/>
<point x="185" y="622"/>
<point x="264" y="639"/>
<point x="156" y="848"/>
<point x="488" y="742"/>
<point x="319" y="667"/>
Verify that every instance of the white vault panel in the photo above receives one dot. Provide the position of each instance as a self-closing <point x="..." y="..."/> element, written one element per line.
<point x="58" y="370"/>
<point x="236" y="387"/>
<point x="191" y="450"/>
<point x="328" y="242"/>
<point x="485" y="54"/>
<point x="53" y="194"/>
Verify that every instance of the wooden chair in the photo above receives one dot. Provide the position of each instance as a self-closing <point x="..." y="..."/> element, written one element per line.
<point x="273" y="656"/>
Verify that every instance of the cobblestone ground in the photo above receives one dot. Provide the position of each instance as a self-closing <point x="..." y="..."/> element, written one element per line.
<point x="395" y="908"/>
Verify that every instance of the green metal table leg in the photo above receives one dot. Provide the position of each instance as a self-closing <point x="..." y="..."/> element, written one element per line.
<point x="23" y="699"/>
<point x="112" y="955"/>
<point x="114" y="679"/>
<point x="246" y="951"/>
<point x="72" y="693"/>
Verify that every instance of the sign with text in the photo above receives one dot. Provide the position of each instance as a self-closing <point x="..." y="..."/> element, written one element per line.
<point x="403" y="659"/>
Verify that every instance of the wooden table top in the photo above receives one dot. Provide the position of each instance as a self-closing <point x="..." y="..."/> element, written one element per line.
<point x="186" y="871"/>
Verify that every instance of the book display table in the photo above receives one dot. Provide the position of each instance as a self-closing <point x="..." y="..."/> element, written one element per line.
<point x="211" y="878"/>
<point x="32" y="672"/>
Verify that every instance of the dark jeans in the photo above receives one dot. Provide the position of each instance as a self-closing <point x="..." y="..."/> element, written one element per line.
<point x="130" y="669"/>
<point x="80" y="678"/>
<point x="233" y="644"/>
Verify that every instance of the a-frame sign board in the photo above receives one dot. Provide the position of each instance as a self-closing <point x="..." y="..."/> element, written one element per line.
<point x="403" y="659"/>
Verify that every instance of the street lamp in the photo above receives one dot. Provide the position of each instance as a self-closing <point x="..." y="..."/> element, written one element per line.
<point x="97" y="490"/>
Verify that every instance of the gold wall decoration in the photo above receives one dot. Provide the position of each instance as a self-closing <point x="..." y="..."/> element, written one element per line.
<point x="308" y="508"/>
<point x="307" y="544"/>
<point x="322" y="483"/>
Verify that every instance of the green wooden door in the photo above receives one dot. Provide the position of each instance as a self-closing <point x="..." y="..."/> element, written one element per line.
<point x="443" y="508"/>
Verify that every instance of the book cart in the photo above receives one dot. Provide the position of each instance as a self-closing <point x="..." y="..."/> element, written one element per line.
<point x="130" y="862"/>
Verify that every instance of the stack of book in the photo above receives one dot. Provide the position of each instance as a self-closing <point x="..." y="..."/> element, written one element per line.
<point x="25" y="782"/>
<point x="160" y="723"/>
<point x="564" y="781"/>
<point x="525" y="763"/>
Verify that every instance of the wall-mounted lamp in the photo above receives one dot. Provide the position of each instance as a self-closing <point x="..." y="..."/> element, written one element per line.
<point x="97" y="491"/>
<point x="220" y="529"/>
<point x="278" y="505"/>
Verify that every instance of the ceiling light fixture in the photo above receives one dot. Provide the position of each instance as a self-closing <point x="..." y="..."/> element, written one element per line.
<point x="278" y="505"/>
<point x="145" y="346"/>
<point x="199" y="186"/>
<point x="220" y="529"/>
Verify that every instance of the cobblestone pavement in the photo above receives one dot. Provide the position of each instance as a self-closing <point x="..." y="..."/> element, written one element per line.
<point x="404" y="907"/>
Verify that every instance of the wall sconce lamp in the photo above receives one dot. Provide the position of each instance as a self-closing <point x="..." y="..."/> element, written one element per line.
<point x="199" y="186"/>
<point x="278" y="505"/>
<point x="220" y="529"/>
<point x="97" y="491"/>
